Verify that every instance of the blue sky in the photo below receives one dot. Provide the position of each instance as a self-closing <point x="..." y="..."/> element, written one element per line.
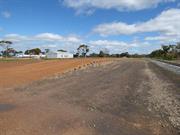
<point x="137" y="26"/>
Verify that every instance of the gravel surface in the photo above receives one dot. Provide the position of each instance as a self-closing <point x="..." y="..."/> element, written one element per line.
<point x="170" y="67"/>
<point x="126" y="97"/>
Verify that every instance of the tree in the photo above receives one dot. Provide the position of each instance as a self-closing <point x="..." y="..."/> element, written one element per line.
<point x="27" y="52"/>
<point x="126" y="54"/>
<point x="47" y="50"/>
<point x="83" y="50"/>
<point x="5" y="45"/>
<point x="62" y="50"/>
<point x="19" y="52"/>
<point x="10" y="52"/>
<point x="166" y="48"/>
<point x="178" y="45"/>
<point x="94" y="55"/>
<point x="157" y="53"/>
<point x="104" y="53"/>
<point x="35" y="51"/>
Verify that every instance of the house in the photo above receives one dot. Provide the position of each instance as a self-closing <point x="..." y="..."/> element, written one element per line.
<point x="59" y="55"/>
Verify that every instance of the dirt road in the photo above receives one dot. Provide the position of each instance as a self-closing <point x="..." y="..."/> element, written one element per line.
<point x="126" y="97"/>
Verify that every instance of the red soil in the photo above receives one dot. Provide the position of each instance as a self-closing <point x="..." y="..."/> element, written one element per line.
<point x="15" y="73"/>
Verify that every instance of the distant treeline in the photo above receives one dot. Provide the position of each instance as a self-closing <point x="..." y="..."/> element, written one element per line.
<point x="121" y="55"/>
<point x="167" y="52"/>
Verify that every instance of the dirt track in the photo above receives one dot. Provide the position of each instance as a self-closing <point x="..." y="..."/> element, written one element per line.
<point x="126" y="97"/>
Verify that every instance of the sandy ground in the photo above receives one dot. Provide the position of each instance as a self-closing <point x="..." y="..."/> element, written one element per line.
<point x="14" y="73"/>
<point x="126" y="97"/>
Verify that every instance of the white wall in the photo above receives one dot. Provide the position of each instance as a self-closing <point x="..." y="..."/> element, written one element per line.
<point x="51" y="55"/>
<point x="63" y="55"/>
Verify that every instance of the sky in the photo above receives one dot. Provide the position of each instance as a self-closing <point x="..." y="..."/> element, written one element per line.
<point x="136" y="26"/>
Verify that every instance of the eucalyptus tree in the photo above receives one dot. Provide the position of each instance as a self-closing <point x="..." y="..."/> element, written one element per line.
<point x="83" y="50"/>
<point x="5" y="44"/>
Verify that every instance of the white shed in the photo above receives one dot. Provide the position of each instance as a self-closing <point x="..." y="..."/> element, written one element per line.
<point x="59" y="55"/>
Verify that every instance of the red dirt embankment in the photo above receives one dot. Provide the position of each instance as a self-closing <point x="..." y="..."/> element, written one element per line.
<point x="13" y="74"/>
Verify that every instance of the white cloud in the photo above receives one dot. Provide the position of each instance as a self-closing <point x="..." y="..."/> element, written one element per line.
<point x="116" y="43"/>
<point x="6" y="14"/>
<point x="120" y="5"/>
<point x="56" y="37"/>
<point x="49" y="46"/>
<point x="43" y="40"/>
<point x="108" y="43"/>
<point x="167" y="24"/>
<point x="112" y="46"/>
<point x="115" y="46"/>
<point x="164" y="39"/>
<point x="73" y="39"/>
<point x="48" y="37"/>
<point x="43" y="37"/>
<point x="115" y="28"/>
<point x="15" y="37"/>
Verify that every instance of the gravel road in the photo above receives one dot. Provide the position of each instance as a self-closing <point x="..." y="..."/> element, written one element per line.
<point x="126" y="97"/>
<point x="168" y="66"/>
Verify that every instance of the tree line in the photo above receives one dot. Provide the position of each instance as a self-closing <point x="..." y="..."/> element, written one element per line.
<point x="8" y="51"/>
<point x="167" y="52"/>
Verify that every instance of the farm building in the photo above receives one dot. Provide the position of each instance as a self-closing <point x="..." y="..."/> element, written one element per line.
<point x="59" y="55"/>
<point x="30" y="56"/>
